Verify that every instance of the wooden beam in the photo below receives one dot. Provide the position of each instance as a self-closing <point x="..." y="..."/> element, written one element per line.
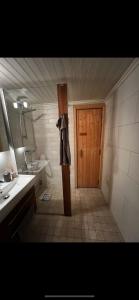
<point x="63" y="108"/>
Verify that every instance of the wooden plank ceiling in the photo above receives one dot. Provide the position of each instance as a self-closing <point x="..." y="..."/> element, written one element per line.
<point x="87" y="78"/>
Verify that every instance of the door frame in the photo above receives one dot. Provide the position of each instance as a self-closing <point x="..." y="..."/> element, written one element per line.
<point x="88" y="106"/>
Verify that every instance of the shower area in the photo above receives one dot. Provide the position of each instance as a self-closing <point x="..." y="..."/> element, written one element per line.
<point x="35" y="141"/>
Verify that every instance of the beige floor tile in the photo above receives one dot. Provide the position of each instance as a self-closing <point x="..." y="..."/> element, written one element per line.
<point x="106" y="227"/>
<point x="46" y="238"/>
<point x="77" y="234"/>
<point x="91" y="219"/>
<point x="99" y="236"/>
<point x="91" y="235"/>
<point x="112" y="236"/>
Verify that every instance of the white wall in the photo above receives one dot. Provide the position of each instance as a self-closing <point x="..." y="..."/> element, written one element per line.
<point x="120" y="180"/>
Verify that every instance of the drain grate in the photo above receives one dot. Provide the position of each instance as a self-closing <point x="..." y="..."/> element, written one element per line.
<point x="45" y="196"/>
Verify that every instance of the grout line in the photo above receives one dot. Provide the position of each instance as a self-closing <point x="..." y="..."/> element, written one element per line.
<point x="130" y="154"/>
<point x="126" y="124"/>
<point x="119" y="147"/>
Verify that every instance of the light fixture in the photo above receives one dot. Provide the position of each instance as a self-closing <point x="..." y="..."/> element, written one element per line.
<point x="15" y="104"/>
<point x="20" y="103"/>
<point x="25" y="104"/>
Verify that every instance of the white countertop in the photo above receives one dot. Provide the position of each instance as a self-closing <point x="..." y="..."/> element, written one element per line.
<point x="23" y="184"/>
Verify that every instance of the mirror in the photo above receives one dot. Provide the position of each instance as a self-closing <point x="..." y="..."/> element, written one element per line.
<point x="4" y="146"/>
<point x="15" y="123"/>
<point x="21" y="126"/>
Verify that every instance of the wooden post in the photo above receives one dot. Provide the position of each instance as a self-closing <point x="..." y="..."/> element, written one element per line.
<point x="63" y="108"/>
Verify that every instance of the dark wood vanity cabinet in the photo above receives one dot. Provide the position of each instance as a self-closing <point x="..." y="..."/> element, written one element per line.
<point x="10" y="225"/>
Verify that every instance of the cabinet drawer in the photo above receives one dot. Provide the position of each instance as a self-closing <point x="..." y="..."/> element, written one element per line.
<point x="17" y="218"/>
<point x="11" y="223"/>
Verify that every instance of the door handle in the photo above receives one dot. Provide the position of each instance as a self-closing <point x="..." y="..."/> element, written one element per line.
<point x="81" y="153"/>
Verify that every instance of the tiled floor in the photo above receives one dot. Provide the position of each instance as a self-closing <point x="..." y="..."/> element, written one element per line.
<point x="91" y="220"/>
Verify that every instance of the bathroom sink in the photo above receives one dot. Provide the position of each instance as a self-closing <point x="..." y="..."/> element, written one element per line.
<point x="31" y="171"/>
<point x="5" y="187"/>
<point x="35" y="167"/>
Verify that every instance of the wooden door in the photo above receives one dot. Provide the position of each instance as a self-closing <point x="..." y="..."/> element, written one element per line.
<point x="88" y="134"/>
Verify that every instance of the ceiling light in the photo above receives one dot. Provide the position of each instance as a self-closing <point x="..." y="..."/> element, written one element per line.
<point x="15" y="105"/>
<point x="25" y="104"/>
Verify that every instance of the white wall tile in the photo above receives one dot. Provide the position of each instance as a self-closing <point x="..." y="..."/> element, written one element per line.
<point x="125" y="206"/>
<point x="116" y="110"/>
<point x="123" y="188"/>
<point x="130" y="85"/>
<point x="117" y="201"/>
<point x="122" y="160"/>
<point x="115" y="136"/>
<point x="109" y="112"/>
<point x="125" y="183"/>
<point x="129" y="137"/>
<point x="134" y="167"/>
<point x="127" y="108"/>
<point x="108" y="136"/>
<point x="137" y="110"/>
<point x="106" y="171"/>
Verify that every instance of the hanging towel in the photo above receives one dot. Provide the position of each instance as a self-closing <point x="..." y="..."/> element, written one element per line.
<point x="62" y="124"/>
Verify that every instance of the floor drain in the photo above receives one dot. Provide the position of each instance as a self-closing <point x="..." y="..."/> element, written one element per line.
<point x="45" y="196"/>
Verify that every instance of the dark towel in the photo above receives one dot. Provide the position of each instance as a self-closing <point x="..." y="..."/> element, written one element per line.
<point x="62" y="124"/>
